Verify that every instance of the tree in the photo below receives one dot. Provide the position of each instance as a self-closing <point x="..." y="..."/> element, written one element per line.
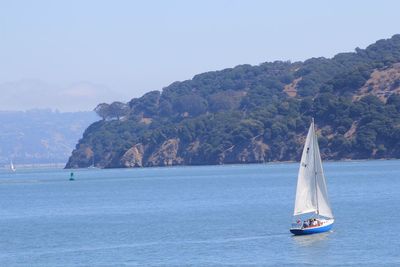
<point x="118" y="110"/>
<point x="225" y="100"/>
<point x="148" y="104"/>
<point x="102" y="110"/>
<point x="191" y="103"/>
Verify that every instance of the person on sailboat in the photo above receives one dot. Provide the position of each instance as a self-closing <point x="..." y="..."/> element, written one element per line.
<point x="311" y="191"/>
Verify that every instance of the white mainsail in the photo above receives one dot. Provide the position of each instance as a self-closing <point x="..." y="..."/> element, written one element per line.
<point x="12" y="167"/>
<point x="311" y="194"/>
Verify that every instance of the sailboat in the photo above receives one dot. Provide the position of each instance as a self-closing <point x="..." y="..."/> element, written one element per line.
<point x="12" y="167"/>
<point x="312" y="211"/>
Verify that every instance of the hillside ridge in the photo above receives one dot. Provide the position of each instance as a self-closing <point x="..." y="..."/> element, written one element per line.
<point x="250" y="114"/>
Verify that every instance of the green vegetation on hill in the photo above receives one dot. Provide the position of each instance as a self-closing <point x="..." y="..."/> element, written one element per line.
<point x="256" y="114"/>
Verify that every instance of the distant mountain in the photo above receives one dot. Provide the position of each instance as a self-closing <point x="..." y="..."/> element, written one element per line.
<point x="40" y="136"/>
<point x="258" y="113"/>
<point x="28" y="94"/>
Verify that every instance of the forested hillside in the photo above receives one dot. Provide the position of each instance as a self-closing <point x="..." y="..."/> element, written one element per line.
<point x="258" y="113"/>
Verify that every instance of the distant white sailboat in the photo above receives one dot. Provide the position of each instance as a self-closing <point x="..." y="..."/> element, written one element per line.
<point x="312" y="210"/>
<point x="12" y="167"/>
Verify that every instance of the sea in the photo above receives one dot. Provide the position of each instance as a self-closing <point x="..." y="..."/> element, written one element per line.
<point x="232" y="215"/>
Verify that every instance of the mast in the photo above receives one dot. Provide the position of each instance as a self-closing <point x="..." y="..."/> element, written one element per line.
<point x="315" y="169"/>
<point x="311" y="191"/>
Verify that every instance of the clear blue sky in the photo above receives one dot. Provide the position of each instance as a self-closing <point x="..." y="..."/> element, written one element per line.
<point x="122" y="49"/>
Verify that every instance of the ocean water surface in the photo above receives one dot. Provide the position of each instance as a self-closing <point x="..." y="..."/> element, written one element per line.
<point x="233" y="215"/>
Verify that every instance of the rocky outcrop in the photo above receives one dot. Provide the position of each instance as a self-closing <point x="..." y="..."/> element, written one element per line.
<point x="254" y="152"/>
<point x="291" y="89"/>
<point x="382" y="83"/>
<point x="133" y="157"/>
<point x="259" y="151"/>
<point x="166" y="154"/>
<point x="174" y="152"/>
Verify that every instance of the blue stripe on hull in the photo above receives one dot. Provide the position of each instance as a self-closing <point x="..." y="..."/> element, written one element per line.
<point x="310" y="231"/>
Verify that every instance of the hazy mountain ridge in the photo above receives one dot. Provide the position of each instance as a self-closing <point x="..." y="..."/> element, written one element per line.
<point x="40" y="136"/>
<point x="259" y="114"/>
<point x="26" y="94"/>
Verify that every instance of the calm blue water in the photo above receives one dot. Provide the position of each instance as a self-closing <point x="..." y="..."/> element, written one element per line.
<point x="196" y="216"/>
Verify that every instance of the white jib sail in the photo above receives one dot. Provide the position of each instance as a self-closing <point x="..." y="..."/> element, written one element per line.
<point x="311" y="194"/>
<point x="324" y="208"/>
